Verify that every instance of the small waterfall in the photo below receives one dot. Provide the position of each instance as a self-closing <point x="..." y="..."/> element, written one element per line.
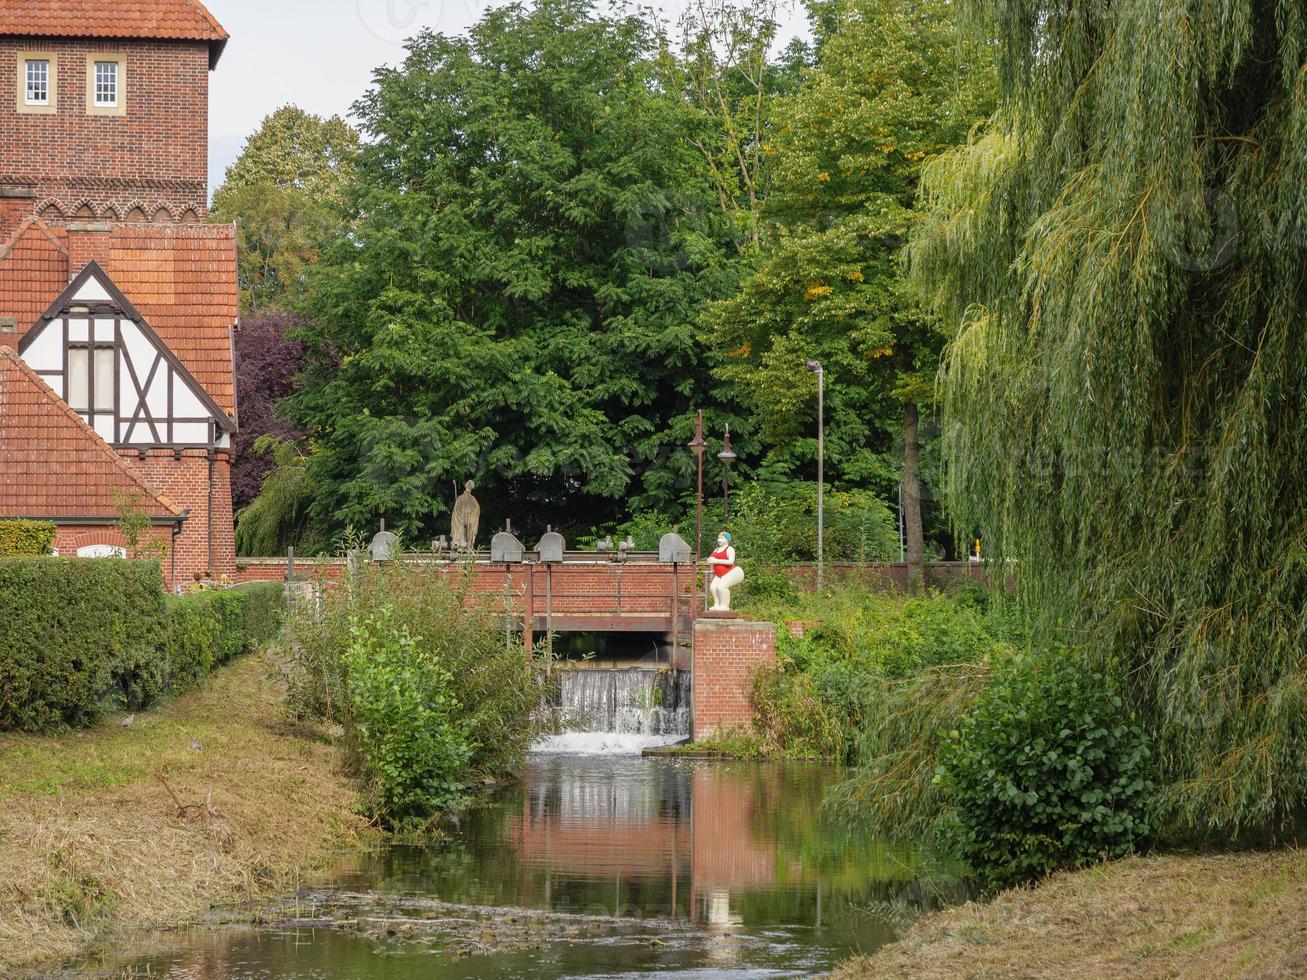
<point x="615" y="711"/>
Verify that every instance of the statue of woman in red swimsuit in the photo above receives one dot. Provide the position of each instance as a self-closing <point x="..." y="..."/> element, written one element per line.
<point x="726" y="574"/>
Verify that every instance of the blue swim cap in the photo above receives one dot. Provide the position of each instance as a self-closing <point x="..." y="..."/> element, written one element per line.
<point x="730" y="539"/>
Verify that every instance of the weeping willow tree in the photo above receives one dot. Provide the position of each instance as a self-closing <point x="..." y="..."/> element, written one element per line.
<point x="1123" y="254"/>
<point x="279" y="514"/>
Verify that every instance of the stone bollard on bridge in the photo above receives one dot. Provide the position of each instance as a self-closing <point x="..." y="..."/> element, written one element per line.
<point x="726" y="654"/>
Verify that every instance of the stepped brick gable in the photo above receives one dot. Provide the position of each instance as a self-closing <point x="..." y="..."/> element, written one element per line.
<point x="119" y="300"/>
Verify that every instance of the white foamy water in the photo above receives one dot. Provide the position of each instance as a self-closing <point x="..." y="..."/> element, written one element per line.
<point x="602" y="743"/>
<point x="619" y="712"/>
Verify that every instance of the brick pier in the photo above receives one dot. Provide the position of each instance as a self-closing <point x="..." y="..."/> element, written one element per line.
<point x="726" y="654"/>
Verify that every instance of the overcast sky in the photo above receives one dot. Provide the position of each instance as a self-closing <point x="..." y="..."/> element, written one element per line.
<point x="320" y="54"/>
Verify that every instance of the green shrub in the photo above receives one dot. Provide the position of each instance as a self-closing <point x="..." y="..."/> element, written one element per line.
<point x="75" y="634"/>
<point x="409" y="726"/>
<point x="265" y="609"/>
<point x="795" y="720"/>
<point x="832" y="685"/>
<point x="26" y="539"/>
<point x="210" y="628"/>
<point x="493" y="680"/>
<point x="192" y="640"/>
<point x="79" y="637"/>
<point x="776" y="524"/>
<point x="1046" y="771"/>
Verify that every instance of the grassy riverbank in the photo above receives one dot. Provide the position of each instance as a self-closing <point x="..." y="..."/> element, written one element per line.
<point x="1226" y="915"/>
<point x="92" y="842"/>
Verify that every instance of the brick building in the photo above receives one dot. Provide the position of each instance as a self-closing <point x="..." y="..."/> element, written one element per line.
<point x="115" y="294"/>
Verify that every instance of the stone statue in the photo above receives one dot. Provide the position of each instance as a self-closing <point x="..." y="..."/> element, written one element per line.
<point x="726" y="574"/>
<point x="466" y="519"/>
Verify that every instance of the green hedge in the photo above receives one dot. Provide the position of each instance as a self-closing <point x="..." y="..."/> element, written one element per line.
<point x="26" y="539"/>
<point x="79" y="637"/>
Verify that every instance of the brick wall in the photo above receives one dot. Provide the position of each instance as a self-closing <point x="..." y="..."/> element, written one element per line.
<point x="887" y="575"/>
<point x="274" y="569"/>
<point x="153" y="156"/>
<point x="70" y="539"/>
<point x="185" y="481"/>
<point x="726" y="653"/>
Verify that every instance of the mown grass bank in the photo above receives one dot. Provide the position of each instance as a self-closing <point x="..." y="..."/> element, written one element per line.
<point x="93" y="844"/>
<point x="1222" y="915"/>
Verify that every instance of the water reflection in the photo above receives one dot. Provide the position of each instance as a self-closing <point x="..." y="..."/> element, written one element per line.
<point x="735" y="847"/>
<point x="689" y="867"/>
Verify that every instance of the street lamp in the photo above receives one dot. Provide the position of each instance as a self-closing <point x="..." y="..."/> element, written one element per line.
<point x="816" y="368"/>
<point x="727" y="456"/>
<point x="698" y="444"/>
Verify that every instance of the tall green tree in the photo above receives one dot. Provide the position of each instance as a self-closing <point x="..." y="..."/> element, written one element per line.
<point x="532" y="237"/>
<point x="896" y="84"/>
<point x="285" y="192"/>
<point x="1121" y="257"/>
<point x="728" y="74"/>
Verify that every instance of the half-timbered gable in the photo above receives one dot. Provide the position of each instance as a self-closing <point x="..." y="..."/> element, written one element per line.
<point x="97" y="350"/>
<point x="118" y="298"/>
<point x="54" y="467"/>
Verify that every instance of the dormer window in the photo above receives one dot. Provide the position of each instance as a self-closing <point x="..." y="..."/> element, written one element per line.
<point x="106" y="84"/>
<point x="38" y="85"/>
<point x="38" y="82"/>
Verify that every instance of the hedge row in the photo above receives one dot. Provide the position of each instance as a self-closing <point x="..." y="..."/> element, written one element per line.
<point x="26" y="539"/>
<point x="82" y="637"/>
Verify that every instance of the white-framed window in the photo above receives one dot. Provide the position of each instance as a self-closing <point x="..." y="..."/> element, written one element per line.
<point x="102" y="551"/>
<point x="37" y="82"/>
<point x="106" y="84"/>
<point x="91" y="388"/>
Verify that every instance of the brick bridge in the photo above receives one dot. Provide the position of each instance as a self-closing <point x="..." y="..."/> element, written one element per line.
<point x="586" y="592"/>
<point x="592" y="592"/>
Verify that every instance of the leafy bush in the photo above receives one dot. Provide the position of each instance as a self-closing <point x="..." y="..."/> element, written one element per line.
<point x="26" y="539"/>
<point x="73" y="634"/>
<point x="263" y="611"/>
<point x="79" y="637"/>
<point x="409" y="726"/>
<point x="193" y="639"/>
<point x="491" y="680"/>
<point x="210" y="628"/>
<point x="776" y="524"/>
<point x="830" y="686"/>
<point x="1046" y="771"/>
<point x="795" y="720"/>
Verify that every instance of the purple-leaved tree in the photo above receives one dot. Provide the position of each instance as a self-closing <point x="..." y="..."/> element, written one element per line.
<point x="267" y="361"/>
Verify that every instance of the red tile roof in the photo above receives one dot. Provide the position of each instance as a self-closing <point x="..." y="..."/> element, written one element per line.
<point x="182" y="20"/>
<point x="182" y="279"/>
<point x="52" y="464"/>
<point x="33" y="272"/>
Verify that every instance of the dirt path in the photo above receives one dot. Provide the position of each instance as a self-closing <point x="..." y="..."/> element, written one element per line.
<point x="1229" y="915"/>
<point x="92" y="841"/>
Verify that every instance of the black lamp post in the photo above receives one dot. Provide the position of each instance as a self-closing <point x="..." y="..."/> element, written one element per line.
<point x="727" y="456"/>
<point x="699" y="444"/>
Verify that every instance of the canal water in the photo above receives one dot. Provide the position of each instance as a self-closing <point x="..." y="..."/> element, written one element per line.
<point x="591" y="866"/>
